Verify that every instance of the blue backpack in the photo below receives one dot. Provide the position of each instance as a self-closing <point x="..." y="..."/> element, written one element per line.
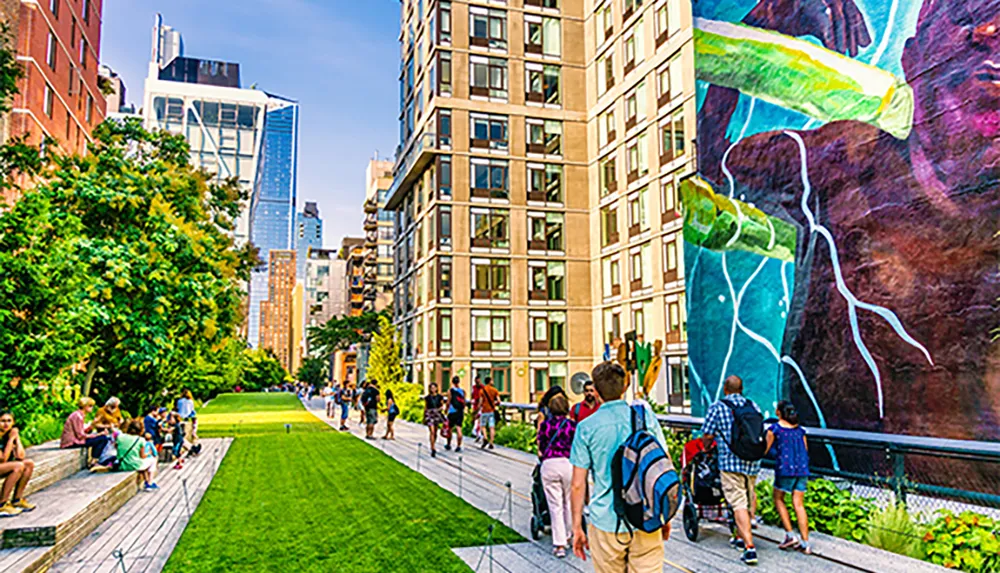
<point x="645" y="485"/>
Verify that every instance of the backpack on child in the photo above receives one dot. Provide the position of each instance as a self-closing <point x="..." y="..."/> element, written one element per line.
<point x="747" y="441"/>
<point x="644" y="484"/>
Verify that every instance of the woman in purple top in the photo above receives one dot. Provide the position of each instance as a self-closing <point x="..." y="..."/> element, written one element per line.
<point x="791" y="473"/>
<point x="555" y="440"/>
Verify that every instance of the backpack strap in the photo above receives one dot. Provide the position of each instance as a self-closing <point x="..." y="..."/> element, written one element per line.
<point x="638" y="418"/>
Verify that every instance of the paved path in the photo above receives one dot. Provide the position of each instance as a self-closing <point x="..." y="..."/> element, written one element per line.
<point x="480" y="478"/>
<point x="146" y="529"/>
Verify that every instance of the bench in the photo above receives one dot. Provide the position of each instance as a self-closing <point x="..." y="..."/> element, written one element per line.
<point x="53" y="464"/>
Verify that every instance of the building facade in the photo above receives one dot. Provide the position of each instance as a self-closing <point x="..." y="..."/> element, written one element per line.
<point x="491" y="182"/>
<point x="326" y="290"/>
<point x="59" y="43"/>
<point x="276" y="328"/>
<point x="308" y="235"/>
<point x="379" y="229"/>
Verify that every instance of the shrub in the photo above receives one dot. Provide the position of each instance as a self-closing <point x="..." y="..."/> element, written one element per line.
<point x="518" y="436"/>
<point x="967" y="541"/>
<point x="895" y="529"/>
<point x="830" y="509"/>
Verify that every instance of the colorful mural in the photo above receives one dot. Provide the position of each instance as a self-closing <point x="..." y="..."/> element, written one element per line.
<point x="841" y="231"/>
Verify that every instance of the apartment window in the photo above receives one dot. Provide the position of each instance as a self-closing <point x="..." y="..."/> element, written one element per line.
<point x="606" y="127"/>
<point x="635" y="45"/>
<point x="545" y="231"/>
<point x="444" y="127"/>
<point x="48" y="103"/>
<point x="547" y="280"/>
<point x="635" y="106"/>
<point x="542" y="83"/>
<point x="638" y="220"/>
<point x="545" y="377"/>
<point x="444" y="329"/>
<point x="605" y="24"/>
<point x="444" y="226"/>
<point x="670" y="82"/>
<point x="548" y="331"/>
<point x="444" y="74"/>
<point x="672" y="137"/>
<point x="544" y="136"/>
<point x="641" y="267"/>
<point x="52" y="48"/>
<point x="605" y="72"/>
<point x="490" y="228"/>
<point x="670" y="259"/>
<point x="488" y="77"/>
<point x="676" y="321"/>
<point x="630" y="8"/>
<point x="609" y="180"/>
<point x="54" y="8"/>
<point x="83" y="53"/>
<point x="488" y="28"/>
<point x="543" y="35"/>
<point x="639" y="316"/>
<point x="490" y="178"/>
<point x="636" y="160"/>
<point x="491" y="330"/>
<point x="670" y="199"/>
<point x="443" y="172"/>
<point x="612" y="276"/>
<point x="542" y="3"/>
<point x="545" y="182"/>
<point x="609" y="225"/>
<point x="86" y="11"/>
<point x="489" y="131"/>
<point x="491" y="279"/>
<point x="612" y="325"/>
<point x="444" y="17"/>
<point x="444" y="279"/>
<point x="72" y="33"/>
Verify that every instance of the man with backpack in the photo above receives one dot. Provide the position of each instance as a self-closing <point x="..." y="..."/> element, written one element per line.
<point x="626" y="529"/>
<point x="369" y="401"/>
<point x="456" y="413"/>
<point x="737" y="427"/>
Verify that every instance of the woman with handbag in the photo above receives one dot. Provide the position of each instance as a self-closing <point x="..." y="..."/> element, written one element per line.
<point x="392" y="411"/>
<point x="555" y="440"/>
<point x="433" y="414"/>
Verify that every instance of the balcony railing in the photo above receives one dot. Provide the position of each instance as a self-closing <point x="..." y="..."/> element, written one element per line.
<point x="408" y="166"/>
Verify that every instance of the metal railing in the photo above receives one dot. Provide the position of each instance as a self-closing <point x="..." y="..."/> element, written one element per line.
<point x="924" y="473"/>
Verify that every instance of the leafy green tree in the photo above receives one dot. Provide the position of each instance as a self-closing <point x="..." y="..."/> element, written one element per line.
<point x="385" y="367"/>
<point x="341" y="332"/>
<point x="313" y="371"/>
<point x="263" y="370"/>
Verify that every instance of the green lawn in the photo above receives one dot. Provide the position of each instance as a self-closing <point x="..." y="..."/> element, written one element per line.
<point x="317" y="500"/>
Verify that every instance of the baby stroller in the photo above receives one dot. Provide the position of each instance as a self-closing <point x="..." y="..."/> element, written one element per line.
<point x="701" y="488"/>
<point x="540" y="517"/>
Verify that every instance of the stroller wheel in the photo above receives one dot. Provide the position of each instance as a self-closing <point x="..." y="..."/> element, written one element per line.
<point x="536" y="528"/>
<point x="690" y="522"/>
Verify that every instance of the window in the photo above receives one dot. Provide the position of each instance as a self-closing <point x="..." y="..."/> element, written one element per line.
<point x="487" y="28"/>
<point x="670" y="200"/>
<point x="48" y="101"/>
<point x="54" y="8"/>
<point x="72" y="33"/>
<point x="544" y="136"/>
<point x="547" y="280"/>
<point x="491" y="330"/>
<point x="491" y="279"/>
<point x="488" y="77"/>
<point x="635" y="106"/>
<point x="672" y="137"/>
<point x="443" y="172"/>
<point x="638" y="219"/>
<point x="542" y="35"/>
<point x="51" y="50"/>
<point x="641" y="313"/>
<point x="545" y="182"/>
<point x="670" y="82"/>
<point x="83" y="53"/>
<point x="641" y="267"/>
<point x="548" y="331"/>
<point x="676" y="321"/>
<point x="444" y="127"/>
<point x="444" y="330"/>
<point x="609" y="181"/>
<point x="542" y="3"/>
<point x="490" y="228"/>
<point x="489" y="131"/>
<point x="609" y="226"/>
<point x="606" y="127"/>
<point x="444" y="279"/>
<point x="605" y="24"/>
<point x="444" y="74"/>
<point x="612" y="277"/>
<point x="605" y="73"/>
<point x="670" y="262"/>
<point x="490" y="178"/>
<point x="444" y="226"/>
<point x="545" y="231"/>
<point x="444" y="17"/>
<point x="542" y="83"/>
<point x="630" y="8"/>
<point x="612" y="325"/>
<point x="635" y="46"/>
<point x="636" y="160"/>
<point x="86" y="11"/>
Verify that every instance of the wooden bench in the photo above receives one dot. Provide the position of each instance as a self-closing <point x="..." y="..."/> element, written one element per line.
<point x="53" y="464"/>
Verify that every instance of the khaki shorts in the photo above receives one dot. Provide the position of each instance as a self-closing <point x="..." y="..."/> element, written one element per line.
<point x="644" y="554"/>
<point x="739" y="490"/>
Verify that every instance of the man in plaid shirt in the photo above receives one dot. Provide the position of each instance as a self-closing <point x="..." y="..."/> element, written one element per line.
<point x="739" y="476"/>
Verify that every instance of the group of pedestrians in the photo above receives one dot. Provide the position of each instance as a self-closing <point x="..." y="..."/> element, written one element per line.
<point x="446" y="414"/>
<point x="367" y="399"/>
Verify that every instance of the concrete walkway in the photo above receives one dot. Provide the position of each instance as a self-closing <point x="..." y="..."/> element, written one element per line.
<point x="480" y="477"/>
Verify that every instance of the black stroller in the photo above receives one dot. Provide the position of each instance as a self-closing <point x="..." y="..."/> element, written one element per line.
<point x="540" y="517"/>
<point x="701" y="487"/>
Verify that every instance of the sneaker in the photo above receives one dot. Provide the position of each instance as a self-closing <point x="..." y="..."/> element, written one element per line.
<point x="458" y="450"/>
<point x="737" y="543"/>
<point x="434" y="453"/>
<point x="447" y="447"/>
<point x="152" y="487"/>
<point x="749" y="556"/>
<point x="483" y="445"/>
<point x="491" y="446"/>
<point x="806" y="547"/>
<point x="8" y="510"/>
<point x="24" y="505"/>
<point x="790" y="542"/>
<point x="560" y="552"/>
<point x="99" y="469"/>
<point x="756" y="522"/>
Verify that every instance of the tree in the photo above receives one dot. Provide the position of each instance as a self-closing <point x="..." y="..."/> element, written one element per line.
<point x="263" y="370"/>
<point x="384" y="366"/>
<point x="313" y="371"/>
<point x="341" y="332"/>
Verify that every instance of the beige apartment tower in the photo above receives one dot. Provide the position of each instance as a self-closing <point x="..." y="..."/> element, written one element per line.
<point x="379" y="232"/>
<point x="504" y="220"/>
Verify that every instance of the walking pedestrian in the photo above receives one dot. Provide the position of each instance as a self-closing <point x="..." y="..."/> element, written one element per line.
<point x="731" y="419"/>
<point x="357" y="402"/>
<point x="488" y="402"/>
<point x="456" y="413"/>
<point x="477" y="397"/>
<point x="345" y="399"/>
<point x="543" y="404"/>
<point x="392" y="410"/>
<point x="369" y="400"/>
<point x="555" y="442"/>
<point x="597" y="440"/>
<point x="590" y="403"/>
<point x="791" y="474"/>
<point x="433" y="414"/>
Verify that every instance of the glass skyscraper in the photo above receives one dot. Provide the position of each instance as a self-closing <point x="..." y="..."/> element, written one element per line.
<point x="309" y="234"/>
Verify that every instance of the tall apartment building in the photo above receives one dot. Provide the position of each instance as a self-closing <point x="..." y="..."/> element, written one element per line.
<point x="493" y="243"/>
<point x="59" y="43"/>
<point x="276" y="328"/>
<point x="538" y="218"/>
<point x="326" y="290"/>
<point x="308" y="235"/>
<point x="379" y="229"/>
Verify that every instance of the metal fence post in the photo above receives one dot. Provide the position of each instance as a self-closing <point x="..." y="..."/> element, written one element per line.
<point x="510" y="507"/>
<point x="419" y="446"/>
<point x="898" y="475"/>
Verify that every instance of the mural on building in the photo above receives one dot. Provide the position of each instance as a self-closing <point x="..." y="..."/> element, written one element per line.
<point x="841" y="231"/>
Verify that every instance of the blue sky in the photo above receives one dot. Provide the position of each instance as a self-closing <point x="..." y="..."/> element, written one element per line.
<point x="338" y="58"/>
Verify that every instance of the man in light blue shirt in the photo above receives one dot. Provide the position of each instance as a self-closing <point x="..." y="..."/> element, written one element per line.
<point x="594" y="446"/>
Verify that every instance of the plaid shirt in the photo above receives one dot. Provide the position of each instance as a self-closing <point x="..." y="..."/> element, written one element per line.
<point x="719" y="423"/>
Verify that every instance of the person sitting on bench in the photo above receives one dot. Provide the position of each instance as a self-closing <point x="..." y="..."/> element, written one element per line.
<point x="15" y="467"/>
<point x="77" y="435"/>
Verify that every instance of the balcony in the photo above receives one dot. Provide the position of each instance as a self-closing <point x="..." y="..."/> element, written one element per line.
<point x="371" y="207"/>
<point x="410" y="165"/>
